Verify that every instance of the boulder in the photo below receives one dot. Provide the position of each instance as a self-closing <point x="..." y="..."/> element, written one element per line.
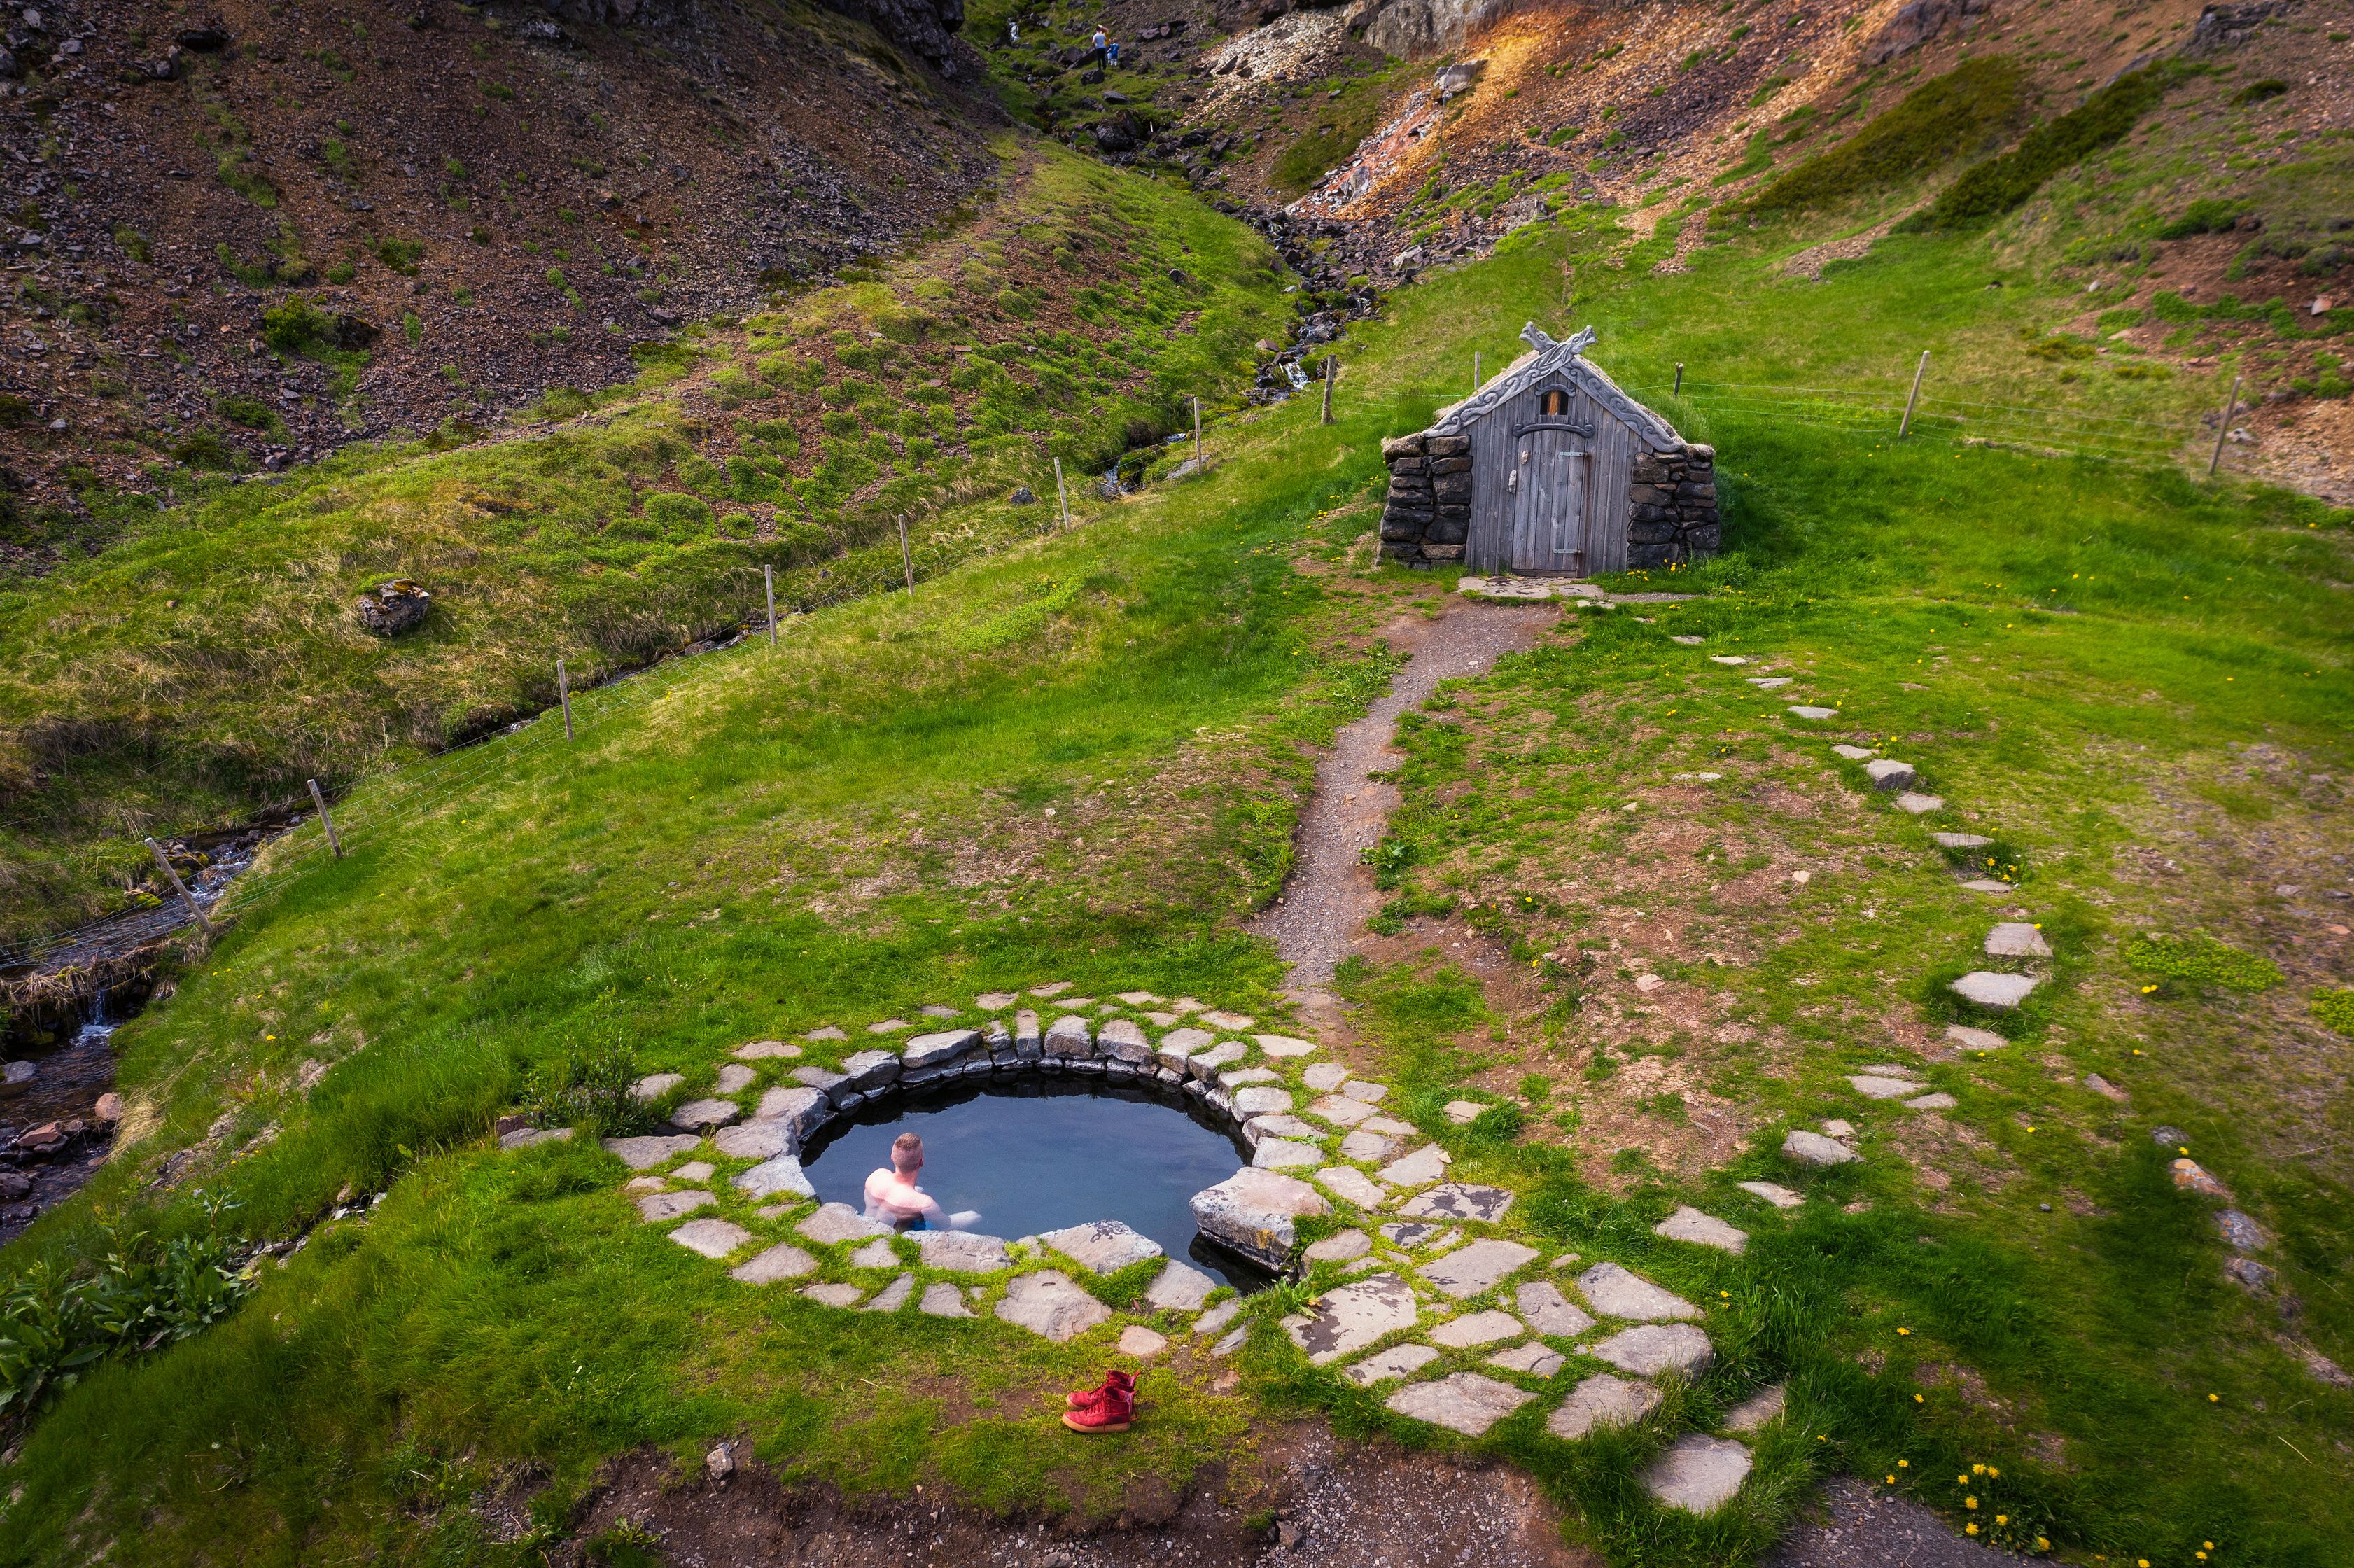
<point x="870" y="1070"/>
<point x="1123" y="1040"/>
<point x="801" y="1108"/>
<point x="1254" y="1213"/>
<point x="1070" y="1036"/>
<point x="1814" y="1148"/>
<point x="393" y="608"/>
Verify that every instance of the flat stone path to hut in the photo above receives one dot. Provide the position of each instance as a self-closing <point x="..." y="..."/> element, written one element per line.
<point x="1330" y="894"/>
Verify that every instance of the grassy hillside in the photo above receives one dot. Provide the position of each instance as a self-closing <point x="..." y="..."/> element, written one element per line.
<point x="2132" y="678"/>
<point x="200" y="671"/>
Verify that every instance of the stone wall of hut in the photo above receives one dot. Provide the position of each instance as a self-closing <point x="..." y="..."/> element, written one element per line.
<point x="1671" y="510"/>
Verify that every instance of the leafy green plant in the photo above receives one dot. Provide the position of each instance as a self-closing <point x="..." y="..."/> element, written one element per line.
<point x="401" y="255"/>
<point x="2335" y="1010"/>
<point x="2210" y="214"/>
<point x="2261" y="90"/>
<point x="588" y="1087"/>
<point x="2200" y="959"/>
<point x="2007" y="181"/>
<point x="1944" y="118"/>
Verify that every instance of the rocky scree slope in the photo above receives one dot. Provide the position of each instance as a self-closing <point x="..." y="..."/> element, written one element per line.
<point x="243" y="236"/>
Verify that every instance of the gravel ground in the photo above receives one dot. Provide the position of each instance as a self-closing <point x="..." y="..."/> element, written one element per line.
<point x="1871" y="1530"/>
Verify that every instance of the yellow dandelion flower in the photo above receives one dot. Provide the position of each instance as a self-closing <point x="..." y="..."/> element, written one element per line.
<point x="1917" y="1400"/>
<point x="1971" y="1528"/>
<point x="1992" y="1471"/>
<point x="1903" y="1463"/>
<point x="1903" y="1330"/>
<point x="1978" y="1469"/>
<point x="1970" y="1503"/>
<point x="2214" y="1398"/>
<point x="2002" y="1519"/>
<point x="2042" y="1544"/>
<point x="1891" y="1481"/>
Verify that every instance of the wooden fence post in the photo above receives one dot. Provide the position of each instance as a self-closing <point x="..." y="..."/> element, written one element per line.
<point x="1680" y="377"/>
<point x="769" y="582"/>
<point x="2224" y="427"/>
<point x="1331" y="367"/>
<point x="1906" y="424"/>
<point x="1062" y="497"/>
<point x="907" y="561"/>
<point x="564" y="696"/>
<point x="186" y="897"/>
<point x="326" y="821"/>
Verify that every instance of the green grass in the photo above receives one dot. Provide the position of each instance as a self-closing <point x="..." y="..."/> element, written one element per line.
<point x="2011" y="179"/>
<point x="855" y="823"/>
<point x="2201" y="960"/>
<point x="210" y="664"/>
<point x="1944" y="118"/>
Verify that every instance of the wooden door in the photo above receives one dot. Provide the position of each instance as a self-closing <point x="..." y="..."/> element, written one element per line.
<point x="1552" y="476"/>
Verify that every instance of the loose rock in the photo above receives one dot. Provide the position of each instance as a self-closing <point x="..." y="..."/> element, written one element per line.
<point x="1253" y="1211"/>
<point x="1688" y="1223"/>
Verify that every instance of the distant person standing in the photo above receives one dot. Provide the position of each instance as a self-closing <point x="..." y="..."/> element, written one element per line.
<point x="1099" y="45"/>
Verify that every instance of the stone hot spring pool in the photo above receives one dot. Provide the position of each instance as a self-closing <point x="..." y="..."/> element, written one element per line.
<point x="1036" y="1153"/>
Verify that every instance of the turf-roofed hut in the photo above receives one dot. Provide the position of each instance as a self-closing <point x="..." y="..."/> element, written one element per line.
<point x="1549" y="469"/>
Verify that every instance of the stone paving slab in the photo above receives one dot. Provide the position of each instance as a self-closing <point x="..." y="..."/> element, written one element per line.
<point x="1338" y="1248"/>
<point x="1399" y="1360"/>
<point x="1989" y="989"/>
<point x="1358" y="1090"/>
<point x="1468" y="1271"/>
<point x="877" y="1253"/>
<point x="1810" y="710"/>
<point x="941" y="1299"/>
<point x="1345" y="1320"/>
<point x="1050" y="1306"/>
<point x="1650" y="1349"/>
<point x="1283" y="1124"/>
<point x="1918" y="804"/>
<point x="760" y="1138"/>
<point x="1340" y="1110"/>
<point x="1616" y="1292"/>
<point x="1987" y="885"/>
<point x="1939" y="1101"/>
<point x="894" y="1296"/>
<point x="962" y="1252"/>
<point x="1962" y="841"/>
<point x="1420" y="1169"/>
<point x="1875" y="1087"/>
<point x="1390" y="1127"/>
<point x="1887" y="773"/>
<point x="1256" y="1211"/>
<point x="654" y="1085"/>
<point x="1368" y="1148"/>
<point x="712" y="1238"/>
<point x="1205" y="1065"/>
<point x="1261" y="1099"/>
<point x="1548" y="1312"/>
<point x="1458" y="1201"/>
<point x="1218" y="1317"/>
<point x="765" y="1051"/>
<point x="1599" y="1401"/>
<point x="1273" y="1045"/>
<point x="799" y="1108"/>
<point x="840" y="1222"/>
<point x="1758" y="1409"/>
<point x="1414" y="1235"/>
<point x="1700" y="1474"/>
<point x="2016" y="939"/>
<point x="655" y="1207"/>
<point x="1284" y="1154"/>
<point x="1353" y="1184"/>
<point x="735" y="1077"/>
<point x="1324" y="1076"/>
<point x="996" y="1000"/>
<point x="1123" y="1040"/>
<point x="1239" y="1022"/>
<point x="1462" y="1113"/>
<point x="1773" y="1193"/>
<point x="834" y="1295"/>
<point x="1460" y="1402"/>
<point x="645" y="1153"/>
<point x="1141" y="1342"/>
<point x="1535" y="1357"/>
<point x="1814" y="1148"/>
<point x="1181" y="1287"/>
<point x="1970" y="1039"/>
<point x="770" y="1176"/>
<point x="782" y="1261"/>
<point x="1101" y="1246"/>
<point x="1478" y="1328"/>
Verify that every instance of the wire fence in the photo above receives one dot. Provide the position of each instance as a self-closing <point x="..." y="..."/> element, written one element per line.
<point x="2074" y="432"/>
<point x="405" y="795"/>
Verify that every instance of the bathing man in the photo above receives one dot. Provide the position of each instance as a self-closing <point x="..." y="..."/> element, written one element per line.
<point x="892" y="1197"/>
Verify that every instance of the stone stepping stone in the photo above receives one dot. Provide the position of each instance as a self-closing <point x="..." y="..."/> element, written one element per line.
<point x="927" y="1052"/>
<point x="1235" y="1024"/>
<point x="1460" y="1402"/>
<point x="1283" y="1154"/>
<point x="644" y="1153"/>
<point x="1273" y="1045"/>
<point x="1101" y="1246"/>
<point x="712" y="1238"/>
<point x="1689" y="1225"/>
<point x="1390" y="1127"/>
<point x="870" y="1070"/>
<point x="1855" y="753"/>
<point x="1807" y="711"/>
<point x="1698" y="1473"/>
<point x="1232" y="1343"/>
<point x="1367" y="1147"/>
<point x="1936" y="1102"/>
<point x="892" y="1297"/>
<point x="1970" y="1039"/>
<point x="766" y="1050"/>
<point x="1261" y="1099"/>
<point x="1340" y="1110"/>
<point x="1548" y="1312"/>
<point x="782" y="1261"/>
<point x="1535" y="1357"/>
<point x="1347" y="1181"/>
<point x="1285" y="1125"/>
<point x="760" y="1138"/>
<point x="1458" y="1201"/>
<point x="1986" y="884"/>
<point x="1987" y="989"/>
<point x="1769" y="683"/>
<point x="1050" y="1306"/>
<point x="655" y="1207"/>
<point x="1246" y="1078"/>
<point x="840" y="1222"/>
<point x="1616" y="1292"/>
<point x="1205" y="1065"/>
<point x="962" y="1252"/>
<point x="1835" y="1128"/>
<point x="1324" y="1076"/>
<point x="2016" y="939"/>
<point x="1773" y="1193"/>
<point x="1726" y="658"/>
<point x="942" y="1301"/>
<point x="1689" y="642"/>
<point x="1341" y="1246"/>
<point x="1413" y="1236"/>
<point x="888" y="1027"/>
<point x="1462" y="1113"/>
<point x="1754" y="1413"/>
<point x="525" y="1136"/>
<point x="801" y="1108"/>
<point x="831" y="1032"/>
<point x="1478" y="1328"/>
<point x="1420" y="1169"/>
<point x="1649" y="1349"/>
<point x="877" y="1253"/>
<point x="645" y="1185"/>
<point x="694" y="1170"/>
<point x="1399" y="1360"/>
<point x="1218" y="1317"/>
<point x="654" y="1085"/>
<point x="1371" y="1094"/>
<point x="1887" y="773"/>
<point x="1599" y="1401"/>
<point x="1123" y="1040"/>
<point x="1875" y="1087"/>
<point x="1472" y="1270"/>
<point x="940" y="1010"/>
<point x="1051" y="989"/>
<point x="1141" y="1342"/>
<point x="1814" y="1148"/>
<point x="1961" y="841"/>
<point x="834" y="1295"/>
<point x="1138" y="998"/>
<point x="1255" y="1211"/>
<point x="835" y="1087"/>
<point x="996" y="1000"/>
<point x="1180" y="1288"/>
<point x="1348" y="1319"/>
<point x="705" y="1114"/>
<point x="1185" y="1042"/>
<point x="1918" y="804"/>
<point x="734" y="1079"/>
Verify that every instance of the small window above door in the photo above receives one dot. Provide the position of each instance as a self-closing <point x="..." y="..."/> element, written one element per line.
<point x="1553" y="405"/>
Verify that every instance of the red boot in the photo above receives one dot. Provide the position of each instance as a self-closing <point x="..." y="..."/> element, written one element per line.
<point x="1115" y="1380"/>
<point x="1112" y="1411"/>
